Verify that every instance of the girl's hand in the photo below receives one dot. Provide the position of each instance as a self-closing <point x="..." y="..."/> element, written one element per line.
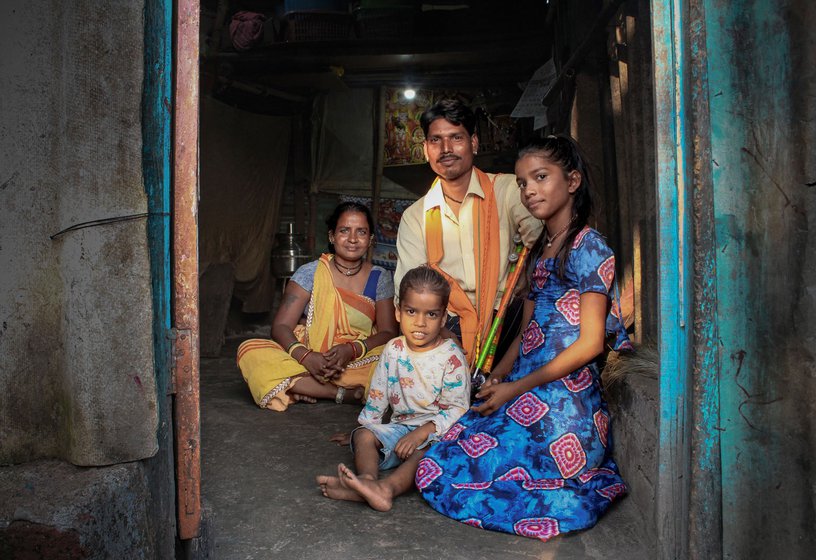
<point x="493" y="379"/>
<point x="409" y="443"/>
<point x="494" y="394"/>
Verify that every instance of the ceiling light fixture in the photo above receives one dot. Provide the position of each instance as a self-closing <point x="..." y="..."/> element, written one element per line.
<point x="409" y="93"/>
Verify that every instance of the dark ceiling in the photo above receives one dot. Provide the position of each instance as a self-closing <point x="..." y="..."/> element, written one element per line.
<point x="467" y="44"/>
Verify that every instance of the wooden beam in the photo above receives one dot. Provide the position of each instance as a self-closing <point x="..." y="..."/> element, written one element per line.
<point x="378" y="108"/>
<point x="578" y="56"/>
<point x="674" y="278"/>
<point x="187" y="418"/>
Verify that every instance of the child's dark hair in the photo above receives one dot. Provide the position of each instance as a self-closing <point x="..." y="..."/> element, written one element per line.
<point x="453" y="111"/>
<point x="564" y="151"/>
<point x="425" y="279"/>
<point x="349" y="206"/>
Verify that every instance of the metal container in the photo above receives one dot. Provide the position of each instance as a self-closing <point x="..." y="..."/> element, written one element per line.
<point x="288" y="253"/>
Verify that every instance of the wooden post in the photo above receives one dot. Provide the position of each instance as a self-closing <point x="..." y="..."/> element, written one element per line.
<point x="379" y="155"/>
<point x="674" y="277"/>
<point x="185" y="270"/>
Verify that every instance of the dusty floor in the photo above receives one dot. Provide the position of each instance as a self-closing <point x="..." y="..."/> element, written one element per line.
<point x="258" y="486"/>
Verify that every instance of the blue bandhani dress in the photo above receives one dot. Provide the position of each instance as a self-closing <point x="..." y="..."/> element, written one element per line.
<point x="541" y="465"/>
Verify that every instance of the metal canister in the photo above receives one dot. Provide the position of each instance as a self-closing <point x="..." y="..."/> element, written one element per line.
<point x="288" y="253"/>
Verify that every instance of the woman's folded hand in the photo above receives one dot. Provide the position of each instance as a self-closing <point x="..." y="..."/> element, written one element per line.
<point x="316" y="364"/>
<point x="338" y="356"/>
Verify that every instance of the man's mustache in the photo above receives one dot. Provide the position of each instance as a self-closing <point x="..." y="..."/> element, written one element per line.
<point x="448" y="156"/>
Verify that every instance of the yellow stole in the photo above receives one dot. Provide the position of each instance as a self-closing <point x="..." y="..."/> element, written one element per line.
<point x="474" y="321"/>
<point x="332" y="323"/>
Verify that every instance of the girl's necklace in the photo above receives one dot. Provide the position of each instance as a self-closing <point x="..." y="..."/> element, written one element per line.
<point x="349" y="270"/>
<point x="565" y="228"/>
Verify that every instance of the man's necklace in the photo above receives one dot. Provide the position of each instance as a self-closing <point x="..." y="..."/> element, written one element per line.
<point x="349" y="270"/>
<point x="449" y="197"/>
<point x="565" y="228"/>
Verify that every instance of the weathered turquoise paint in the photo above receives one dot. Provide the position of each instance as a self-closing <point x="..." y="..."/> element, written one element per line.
<point x="757" y="137"/>
<point x="708" y="414"/>
<point x="674" y="282"/>
<point x="728" y="134"/>
<point x="156" y="130"/>
<point x="156" y="153"/>
<point x="705" y="492"/>
<point x="740" y="75"/>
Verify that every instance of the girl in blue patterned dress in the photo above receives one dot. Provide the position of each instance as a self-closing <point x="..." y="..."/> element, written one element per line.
<point x="533" y="455"/>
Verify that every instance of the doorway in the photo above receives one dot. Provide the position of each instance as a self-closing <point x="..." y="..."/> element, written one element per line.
<point x="603" y="93"/>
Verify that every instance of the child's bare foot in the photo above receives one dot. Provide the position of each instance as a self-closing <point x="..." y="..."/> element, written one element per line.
<point x="341" y="438"/>
<point x="339" y="476"/>
<point x="331" y="487"/>
<point x="325" y="482"/>
<point x="378" y="495"/>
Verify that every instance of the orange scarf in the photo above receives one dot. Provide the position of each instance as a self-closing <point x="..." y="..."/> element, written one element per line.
<point x="474" y="321"/>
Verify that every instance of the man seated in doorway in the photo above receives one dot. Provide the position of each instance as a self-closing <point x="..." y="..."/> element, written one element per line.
<point x="464" y="226"/>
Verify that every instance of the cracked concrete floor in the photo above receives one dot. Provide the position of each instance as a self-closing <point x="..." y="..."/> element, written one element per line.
<point x="258" y="470"/>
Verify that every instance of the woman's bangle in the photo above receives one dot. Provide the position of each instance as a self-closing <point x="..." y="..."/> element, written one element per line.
<point x="291" y="348"/>
<point x="303" y="357"/>
<point x="353" y="349"/>
<point x="363" y="347"/>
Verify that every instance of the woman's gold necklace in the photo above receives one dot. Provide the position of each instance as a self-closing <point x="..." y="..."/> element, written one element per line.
<point x="349" y="270"/>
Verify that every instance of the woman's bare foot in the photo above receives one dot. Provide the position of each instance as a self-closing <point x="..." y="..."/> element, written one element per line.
<point x="297" y="397"/>
<point x="352" y="396"/>
<point x="378" y="495"/>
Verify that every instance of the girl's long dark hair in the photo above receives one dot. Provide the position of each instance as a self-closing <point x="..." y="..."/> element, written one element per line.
<point x="565" y="152"/>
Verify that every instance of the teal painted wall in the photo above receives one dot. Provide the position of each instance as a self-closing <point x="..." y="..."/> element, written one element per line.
<point x="157" y="96"/>
<point x="762" y="86"/>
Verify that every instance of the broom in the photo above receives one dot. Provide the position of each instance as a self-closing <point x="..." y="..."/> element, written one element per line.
<point x="484" y="361"/>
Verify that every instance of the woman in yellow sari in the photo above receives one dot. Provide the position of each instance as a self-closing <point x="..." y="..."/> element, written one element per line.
<point x="349" y="309"/>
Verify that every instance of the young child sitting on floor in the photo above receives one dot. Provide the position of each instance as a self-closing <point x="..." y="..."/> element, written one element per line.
<point x="424" y="379"/>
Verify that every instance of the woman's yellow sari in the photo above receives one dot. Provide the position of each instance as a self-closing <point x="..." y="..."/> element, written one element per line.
<point x="333" y="316"/>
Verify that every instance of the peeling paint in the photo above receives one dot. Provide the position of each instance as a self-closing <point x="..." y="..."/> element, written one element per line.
<point x="759" y="57"/>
